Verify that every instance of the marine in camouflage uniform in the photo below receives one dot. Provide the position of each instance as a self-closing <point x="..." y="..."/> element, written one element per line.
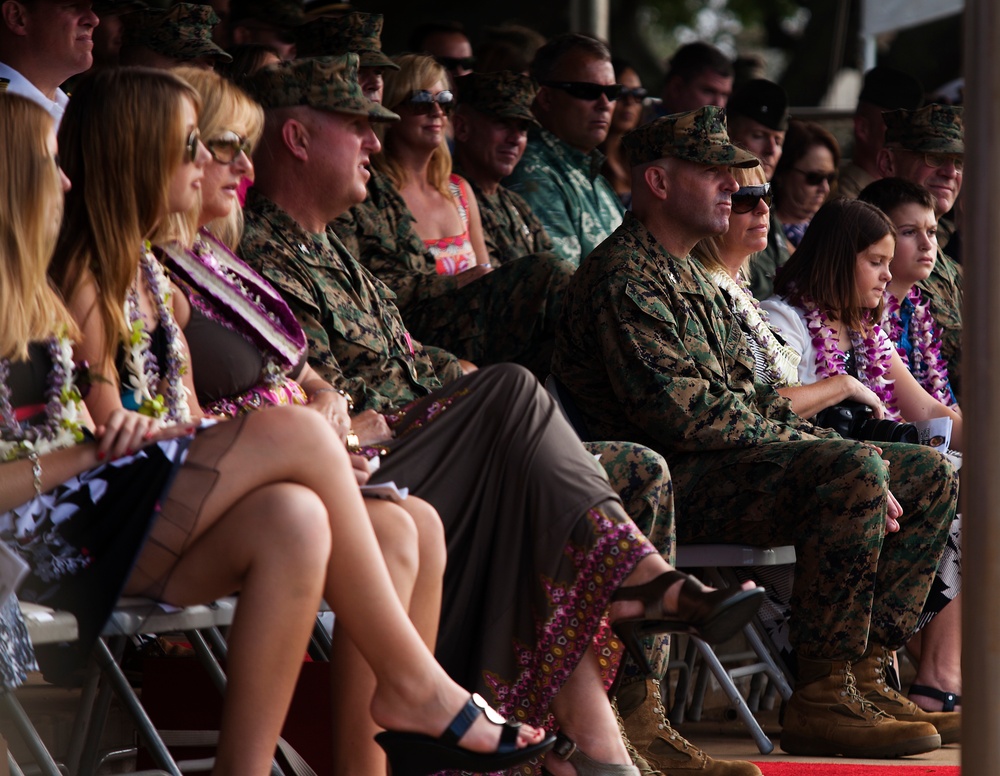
<point x="936" y="129"/>
<point x="651" y="351"/>
<point x="508" y="314"/>
<point x="354" y="33"/>
<point x="181" y="33"/>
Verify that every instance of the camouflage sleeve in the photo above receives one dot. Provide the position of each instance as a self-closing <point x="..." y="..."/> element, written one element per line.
<point x="661" y="370"/>
<point x="446" y="366"/>
<point x="384" y="241"/>
<point x="547" y="200"/>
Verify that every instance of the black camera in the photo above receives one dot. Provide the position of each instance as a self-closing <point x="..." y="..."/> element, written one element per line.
<point x="854" y="420"/>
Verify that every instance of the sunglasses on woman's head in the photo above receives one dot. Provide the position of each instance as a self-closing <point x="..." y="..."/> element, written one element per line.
<point x="422" y="102"/>
<point x="191" y="145"/>
<point x="816" y="178"/>
<point x="227" y="146"/>
<point x="583" y="90"/>
<point x="748" y="197"/>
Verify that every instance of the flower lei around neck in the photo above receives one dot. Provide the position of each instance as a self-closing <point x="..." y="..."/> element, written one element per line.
<point x="143" y="371"/>
<point x="926" y="364"/>
<point x="63" y="425"/>
<point x="781" y="363"/>
<point x="872" y="352"/>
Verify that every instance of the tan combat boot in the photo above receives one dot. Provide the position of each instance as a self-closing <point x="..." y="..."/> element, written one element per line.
<point x="870" y="672"/>
<point x="826" y="716"/>
<point x="657" y="748"/>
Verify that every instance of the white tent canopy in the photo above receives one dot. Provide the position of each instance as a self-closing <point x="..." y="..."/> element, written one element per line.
<point x="881" y="16"/>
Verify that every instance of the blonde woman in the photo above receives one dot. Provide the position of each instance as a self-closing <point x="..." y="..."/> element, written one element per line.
<point x="416" y="159"/>
<point x="266" y="504"/>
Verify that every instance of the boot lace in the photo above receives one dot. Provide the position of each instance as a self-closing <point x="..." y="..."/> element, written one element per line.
<point x="851" y="691"/>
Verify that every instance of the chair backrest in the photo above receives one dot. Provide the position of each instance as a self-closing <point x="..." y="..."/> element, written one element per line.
<point x="569" y="409"/>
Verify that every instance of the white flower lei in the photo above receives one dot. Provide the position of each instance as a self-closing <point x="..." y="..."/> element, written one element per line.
<point x="140" y="363"/>
<point x="927" y="365"/>
<point x="781" y="363"/>
<point x="63" y="426"/>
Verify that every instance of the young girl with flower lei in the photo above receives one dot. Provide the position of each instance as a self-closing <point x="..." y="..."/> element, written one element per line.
<point x="828" y="304"/>
<point x="267" y="504"/>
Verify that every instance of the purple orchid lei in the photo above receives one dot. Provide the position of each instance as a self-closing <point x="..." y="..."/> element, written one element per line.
<point x="872" y="352"/>
<point x="63" y="424"/>
<point x="927" y="365"/>
<point x="140" y="363"/>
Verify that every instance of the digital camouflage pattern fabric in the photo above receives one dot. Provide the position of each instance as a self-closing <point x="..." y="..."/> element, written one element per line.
<point x="356" y="33"/>
<point x="510" y="227"/>
<point x="567" y="193"/>
<point x="650" y="351"/>
<point x="356" y="337"/>
<point x="183" y="31"/>
<point x="697" y="136"/>
<point x="324" y="83"/>
<point x="508" y="314"/>
<point x="502" y="94"/>
<point x="933" y="128"/>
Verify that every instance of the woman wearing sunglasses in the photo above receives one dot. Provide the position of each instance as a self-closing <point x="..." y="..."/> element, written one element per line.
<point x="415" y="157"/>
<point x="803" y="177"/>
<point x="728" y="257"/>
<point x="624" y="118"/>
<point x="266" y="504"/>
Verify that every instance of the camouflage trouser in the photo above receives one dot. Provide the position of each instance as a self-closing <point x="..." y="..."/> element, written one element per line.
<point x="640" y="477"/>
<point x="509" y="314"/>
<point x="828" y="498"/>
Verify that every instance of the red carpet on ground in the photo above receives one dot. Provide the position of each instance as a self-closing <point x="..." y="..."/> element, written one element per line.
<point x="855" y="769"/>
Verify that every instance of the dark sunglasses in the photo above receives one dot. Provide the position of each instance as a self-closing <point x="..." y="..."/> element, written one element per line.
<point x="225" y="148"/>
<point x="191" y="145"/>
<point x="638" y="94"/>
<point x="456" y="63"/>
<point x="816" y="178"/>
<point x="748" y="197"/>
<point x="422" y="102"/>
<point x="583" y="90"/>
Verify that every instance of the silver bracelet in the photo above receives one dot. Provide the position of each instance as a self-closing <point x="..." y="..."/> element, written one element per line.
<point x="36" y="472"/>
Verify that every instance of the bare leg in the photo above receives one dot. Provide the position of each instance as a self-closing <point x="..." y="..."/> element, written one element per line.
<point x="412" y="540"/>
<point x="414" y="693"/>
<point x="938" y="650"/>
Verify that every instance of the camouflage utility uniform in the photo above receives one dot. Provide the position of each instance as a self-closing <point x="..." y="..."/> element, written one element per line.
<point x="510" y="227"/>
<point x="509" y="314"/>
<point x="943" y="289"/>
<point x="650" y="351"/>
<point x="565" y="189"/>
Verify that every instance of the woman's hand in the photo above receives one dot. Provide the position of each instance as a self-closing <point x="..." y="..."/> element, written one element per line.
<point x="371" y="428"/>
<point x="360" y="465"/>
<point x="857" y="391"/>
<point x="126" y="432"/>
<point x="332" y="406"/>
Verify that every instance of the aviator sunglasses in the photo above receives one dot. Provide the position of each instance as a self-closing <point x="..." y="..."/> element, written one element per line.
<point x="422" y="102"/>
<point x="227" y="146"/>
<point x="583" y="90"/>
<point x="748" y="197"/>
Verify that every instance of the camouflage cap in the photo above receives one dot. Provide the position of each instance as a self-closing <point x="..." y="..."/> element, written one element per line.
<point x="933" y="128"/>
<point x="503" y="94"/>
<point x="324" y="83"/>
<point x="696" y="136"/>
<point x="183" y="31"/>
<point x="761" y="100"/>
<point x="358" y="33"/>
<point x="280" y="13"/>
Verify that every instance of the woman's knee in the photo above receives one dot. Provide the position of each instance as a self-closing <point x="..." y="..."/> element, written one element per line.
<point x="290" y="521"/>
<point x="430" y="533"/>
<point x="297" y="433"/>
<point x="397" y="536"/>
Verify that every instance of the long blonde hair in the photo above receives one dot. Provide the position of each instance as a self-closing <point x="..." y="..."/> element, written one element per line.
<point x="30" y="208"/>
<point x="224" y="107"/>
<point x="416" y="72"/>
<point x="709" y="249"/>
<point x="120" y="141"/>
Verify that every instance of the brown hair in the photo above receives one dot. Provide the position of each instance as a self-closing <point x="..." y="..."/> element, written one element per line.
<point x="120" y="141"/>
<point x="30" y="208"/>
<point x="800" y="137"/>
<point x="823" y="266"/>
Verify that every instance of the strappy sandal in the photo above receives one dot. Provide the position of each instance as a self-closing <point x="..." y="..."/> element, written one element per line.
<point x="948" y="699"/>
<point x="565" y="749"/>
<point x="711" y="615"/>
<point x="416" y="754"/>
